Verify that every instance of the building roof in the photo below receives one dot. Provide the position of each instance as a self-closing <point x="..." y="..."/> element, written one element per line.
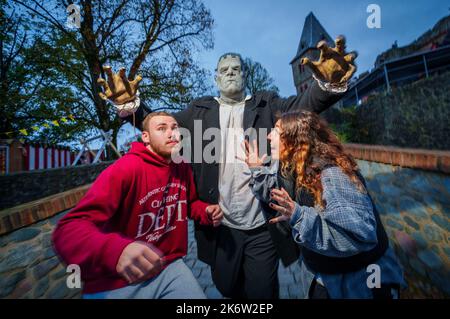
<point x="312" y="33"/>
<point x="440" y="30"/>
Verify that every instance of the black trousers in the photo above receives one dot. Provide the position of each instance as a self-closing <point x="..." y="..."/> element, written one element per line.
<point x="246" y="264"/>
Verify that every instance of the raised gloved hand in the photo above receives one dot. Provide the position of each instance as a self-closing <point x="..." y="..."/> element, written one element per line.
<point x="335" y="65"/>
<point x="118" y="89"/>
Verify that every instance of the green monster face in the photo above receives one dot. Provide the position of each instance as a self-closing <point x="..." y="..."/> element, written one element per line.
<point x="230" y="76"/>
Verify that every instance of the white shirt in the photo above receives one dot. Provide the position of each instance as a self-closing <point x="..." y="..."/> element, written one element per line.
<point x="240" y="207"/>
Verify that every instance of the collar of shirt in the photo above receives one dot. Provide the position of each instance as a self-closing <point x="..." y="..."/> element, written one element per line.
<point x="221" y="102"/>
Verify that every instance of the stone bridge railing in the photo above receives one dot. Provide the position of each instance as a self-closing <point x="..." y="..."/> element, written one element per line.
<point x="29" y="267"/>
<point x="410" y="187"/>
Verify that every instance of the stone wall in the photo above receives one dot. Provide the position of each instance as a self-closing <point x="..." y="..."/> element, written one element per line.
<point x="411" y="189"/>
<point x="29" y="267"/>
<point x="19" y="188"/>
<point x="415" y="209"/>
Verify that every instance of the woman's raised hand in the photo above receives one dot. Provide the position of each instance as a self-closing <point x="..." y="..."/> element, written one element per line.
<point x="286" y="205"/>
<point x="252" y="158"/>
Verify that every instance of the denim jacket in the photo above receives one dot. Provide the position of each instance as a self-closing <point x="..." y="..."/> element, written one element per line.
<point x="345" y="227"/>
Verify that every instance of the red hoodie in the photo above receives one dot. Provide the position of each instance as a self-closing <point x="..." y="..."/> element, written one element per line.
<point x="138" y="198"/>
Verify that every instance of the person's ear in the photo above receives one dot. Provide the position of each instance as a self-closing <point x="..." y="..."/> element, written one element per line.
<point x="145" y="137"/>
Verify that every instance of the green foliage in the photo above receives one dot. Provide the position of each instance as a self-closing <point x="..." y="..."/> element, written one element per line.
<point x="55" y="71"/>
<point x="36" y="87"/>
<point x="415" y="116"/>
<point x="344" y="124"/>
<point x="342" y="135"/>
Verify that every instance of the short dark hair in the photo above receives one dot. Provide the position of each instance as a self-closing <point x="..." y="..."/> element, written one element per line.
<point x="152" y="115"/>
<point x="233" y="55"/>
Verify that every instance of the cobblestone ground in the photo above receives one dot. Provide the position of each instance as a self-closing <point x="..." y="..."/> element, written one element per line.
<point x="287" y="276"/>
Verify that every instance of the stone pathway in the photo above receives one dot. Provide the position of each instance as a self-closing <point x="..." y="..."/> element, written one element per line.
<point x="288" y="277"/>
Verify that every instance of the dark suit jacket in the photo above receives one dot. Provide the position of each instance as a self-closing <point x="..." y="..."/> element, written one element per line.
<point x="259" y="113"/>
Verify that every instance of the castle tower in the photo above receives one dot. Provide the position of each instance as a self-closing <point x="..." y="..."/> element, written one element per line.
<point x="312" y="33"/>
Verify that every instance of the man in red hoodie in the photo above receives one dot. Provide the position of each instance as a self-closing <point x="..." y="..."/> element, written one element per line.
<point x="129" y="233"/>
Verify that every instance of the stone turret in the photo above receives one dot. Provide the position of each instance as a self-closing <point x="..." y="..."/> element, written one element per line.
<point x="312" y="33"/>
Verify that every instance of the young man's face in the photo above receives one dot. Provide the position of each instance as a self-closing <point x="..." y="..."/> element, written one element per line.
<point x="162" y="135"/>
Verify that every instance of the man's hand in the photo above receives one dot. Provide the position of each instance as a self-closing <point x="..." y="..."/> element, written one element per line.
<point x="215" y="214"/>
<point x="118" y="89"/>
<point x="138" y="262"/>
<point x="335" y="65"/>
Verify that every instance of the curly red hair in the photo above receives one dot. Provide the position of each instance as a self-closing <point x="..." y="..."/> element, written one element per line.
<point x="309" y="145"/>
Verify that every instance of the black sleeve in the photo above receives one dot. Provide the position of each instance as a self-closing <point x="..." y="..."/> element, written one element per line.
<point x="314" y="99"/>
<point x="139" y="116"/>
<point x="143" y="110"/>
<point x="184" y="117"/>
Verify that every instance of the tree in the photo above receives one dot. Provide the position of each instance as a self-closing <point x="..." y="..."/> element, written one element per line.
<point x="13" y="41"/>
<point x="258" y="78"/>
<point x="30" y="87"/>
<point x="157" y="38"/>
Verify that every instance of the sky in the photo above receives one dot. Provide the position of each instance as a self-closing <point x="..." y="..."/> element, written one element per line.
<point x="268" y="31"/>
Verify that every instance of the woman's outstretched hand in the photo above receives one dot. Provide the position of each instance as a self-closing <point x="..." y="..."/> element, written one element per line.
<point x="252" y="158"/>
<point x="286" y="205"/>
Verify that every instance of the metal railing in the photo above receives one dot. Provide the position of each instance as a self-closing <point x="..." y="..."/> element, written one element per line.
<point x="398" y="72"/>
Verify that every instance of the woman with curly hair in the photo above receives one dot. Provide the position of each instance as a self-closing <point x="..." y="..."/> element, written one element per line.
<point x="317" y="187"/>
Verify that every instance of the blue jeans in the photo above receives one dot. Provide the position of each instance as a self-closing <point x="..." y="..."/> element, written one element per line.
<point x="174" y="282"/>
